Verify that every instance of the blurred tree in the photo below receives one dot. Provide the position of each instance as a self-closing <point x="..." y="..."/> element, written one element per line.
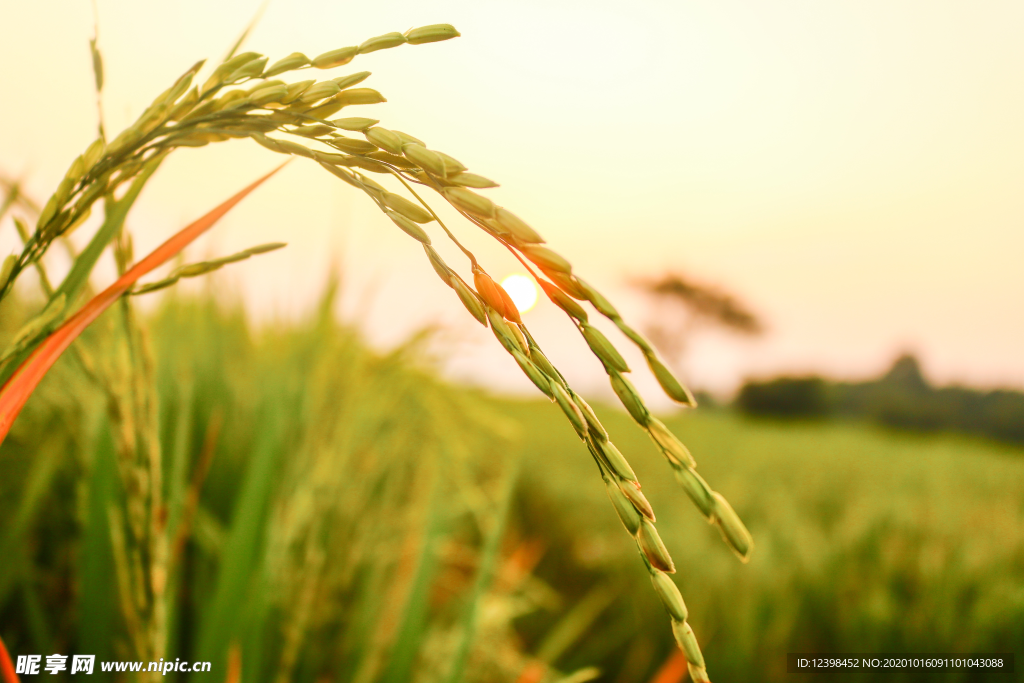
<point x="902" y="398"/>
<point x="804" y="397"/>
<point x="906" y="374"/>
<point x="683" y="306"/>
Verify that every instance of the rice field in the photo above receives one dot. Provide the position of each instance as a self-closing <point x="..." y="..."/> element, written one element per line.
<point x="343" y="515"/>
<point x="287" y="504"/>
<point x="867" y="541"/>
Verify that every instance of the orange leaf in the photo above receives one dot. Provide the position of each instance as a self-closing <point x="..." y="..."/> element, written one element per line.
<point x="7" y="674"/>
<point x="26" y="378"/>
<point x="234" y="674"/>
<point x="673" y="670"/>
<point x="533" y="672"/>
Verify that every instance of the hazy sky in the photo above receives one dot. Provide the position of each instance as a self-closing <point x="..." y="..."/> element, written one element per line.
<point x="853" y="170"/>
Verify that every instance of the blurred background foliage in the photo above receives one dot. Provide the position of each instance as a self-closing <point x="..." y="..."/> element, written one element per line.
<point x="901" y="398"/>
<point x="344" y="515"/>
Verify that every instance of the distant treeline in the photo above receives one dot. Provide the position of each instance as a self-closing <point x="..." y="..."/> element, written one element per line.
<point x="901" y="398"/>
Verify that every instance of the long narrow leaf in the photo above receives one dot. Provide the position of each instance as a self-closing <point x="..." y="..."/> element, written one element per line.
<point x="117" y="211"/>
<point x="26" y="378"/>
<point x="484" y="574"/>
<point x="38" y="483"/>
<point x="240" y="565"/>
<point x="402" y="657"/>
<point x="78" y="276"/>
<point x="6" y="667"/>
<point x="97" y="594"/>
<point x="248" y="29"/>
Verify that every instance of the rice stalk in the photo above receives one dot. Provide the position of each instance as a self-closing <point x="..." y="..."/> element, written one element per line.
<point x="243" y="98"/>
<point x="204" y="267"/>
<point x="19" y="387"/>
<point x="139" y="537"/>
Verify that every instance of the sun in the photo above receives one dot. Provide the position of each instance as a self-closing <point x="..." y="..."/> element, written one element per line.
<point x="522" y="290"/>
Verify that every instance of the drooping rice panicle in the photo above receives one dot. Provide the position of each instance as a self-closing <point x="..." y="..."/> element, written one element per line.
<point x="245" y="98"/>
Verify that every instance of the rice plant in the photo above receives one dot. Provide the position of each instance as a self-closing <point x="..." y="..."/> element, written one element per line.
<point x="327" y="509"/>
<point x="247" y="97"/>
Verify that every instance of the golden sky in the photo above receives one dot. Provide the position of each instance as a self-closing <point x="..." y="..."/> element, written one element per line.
<point x="853" y="170"/>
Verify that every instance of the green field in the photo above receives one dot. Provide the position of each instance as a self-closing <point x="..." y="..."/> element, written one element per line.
<point x="358" y="522"/>
<point x="867" y="541"/>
